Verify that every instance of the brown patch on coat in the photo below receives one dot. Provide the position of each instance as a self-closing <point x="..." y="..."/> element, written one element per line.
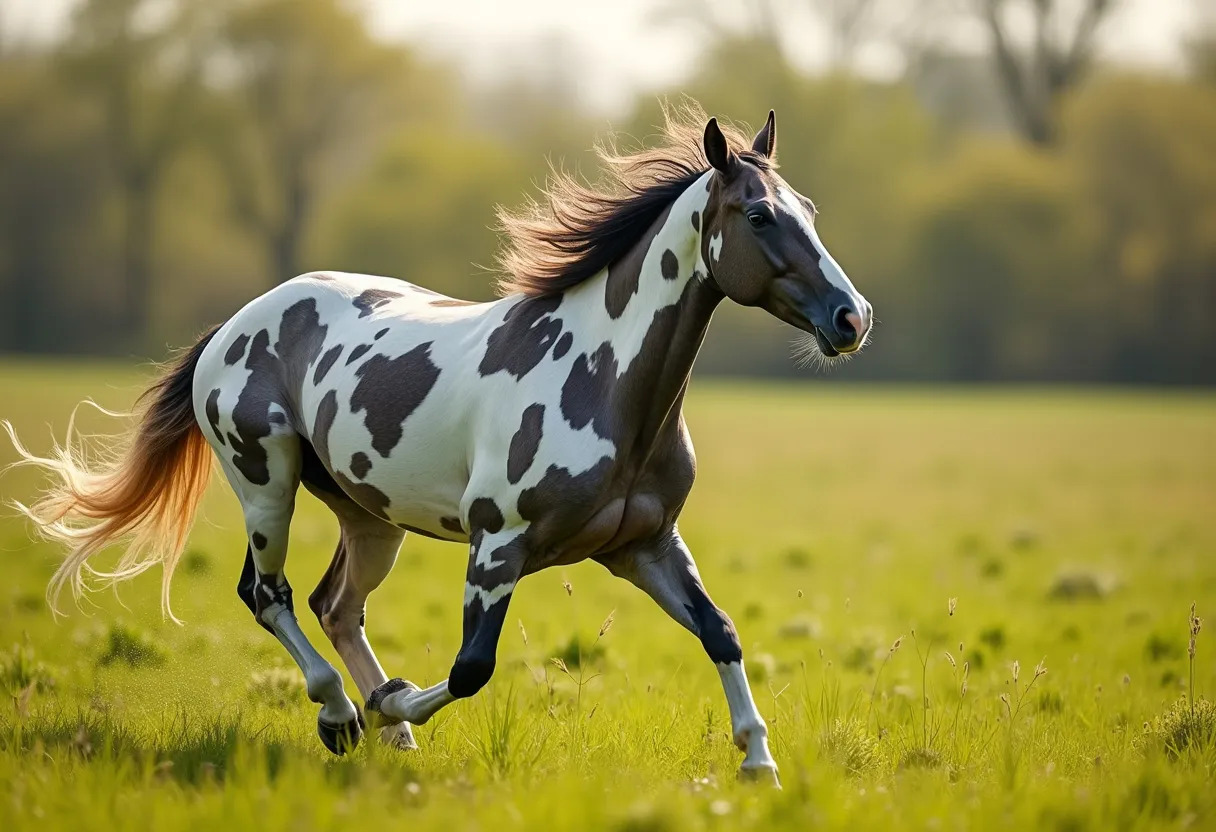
<point x="271" y="375"/>
<point x="525" y="443"/>
<point x="251" y="413"/>
<point x="237" y="350"/>
<point x="625" y="275"/>
<point x="587" y="391"/>
<point x="670" y="265"/>
<point x="485" y="516"/>
<point x="360" y="464"/>
<point x="389" y="390"/>
<point x="258" y="540"/>
<point x="301" y="339"/>
<point x="369" y="300"/>
<point x="452" y="524"/>
<point x="327" y="361"/>
<point x="696" y="220"/>
<point x="327" y="411"/>
<point x="212" y="408"/>
<point x="523" y="338"/>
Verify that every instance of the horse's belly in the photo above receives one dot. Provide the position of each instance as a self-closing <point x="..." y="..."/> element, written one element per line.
<point x="406" y="465"/>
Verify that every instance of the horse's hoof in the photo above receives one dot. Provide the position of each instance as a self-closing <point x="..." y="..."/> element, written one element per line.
<point x="765" y="774"/>
<point x="376" y="717"/>
<point x="340" y="739"/>
<point x="399" y="737"/>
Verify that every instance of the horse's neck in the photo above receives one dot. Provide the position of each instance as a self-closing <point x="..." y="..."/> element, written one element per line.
<point x="656" y="306"/>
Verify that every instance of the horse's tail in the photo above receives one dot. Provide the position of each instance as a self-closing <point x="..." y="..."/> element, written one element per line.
<point x="144" y="488"/>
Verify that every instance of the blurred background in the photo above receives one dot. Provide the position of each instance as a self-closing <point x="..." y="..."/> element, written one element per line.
<point x="1025" y="189"/>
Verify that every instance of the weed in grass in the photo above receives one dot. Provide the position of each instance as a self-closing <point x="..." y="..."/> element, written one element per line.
<point x="21" y="670"/>
<point x="131" y="647"/>
<point x="1186" y="725"/>
<point x="849" y="745"/>
<point x="1190" y="723"/>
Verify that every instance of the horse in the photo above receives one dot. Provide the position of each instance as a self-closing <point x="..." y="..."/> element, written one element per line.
<point x="540" y="429"/>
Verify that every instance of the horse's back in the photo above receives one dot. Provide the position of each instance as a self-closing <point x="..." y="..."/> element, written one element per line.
<point x="373" y="372"/>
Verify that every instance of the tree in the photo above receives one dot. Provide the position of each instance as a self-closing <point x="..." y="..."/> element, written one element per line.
<point x="51" y="192"/>
<point x="136" y="57"/>
<point x="1034" y="77"/>
<point x="308" y="82"/>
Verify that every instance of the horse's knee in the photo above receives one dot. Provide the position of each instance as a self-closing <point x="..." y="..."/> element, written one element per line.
<point x="718" y="636"/>
<point x="470" y="673"/>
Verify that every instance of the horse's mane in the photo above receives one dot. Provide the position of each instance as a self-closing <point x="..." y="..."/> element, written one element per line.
<point x="577" y="229"/>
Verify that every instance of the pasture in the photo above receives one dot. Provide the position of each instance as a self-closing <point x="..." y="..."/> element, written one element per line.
<point x="834" y="523"/>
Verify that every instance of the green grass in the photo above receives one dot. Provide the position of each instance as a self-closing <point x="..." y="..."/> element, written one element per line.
<point x="1075" y="530"/>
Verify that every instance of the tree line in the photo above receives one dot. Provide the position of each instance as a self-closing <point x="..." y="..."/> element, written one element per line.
<point x="1021" y="214"/>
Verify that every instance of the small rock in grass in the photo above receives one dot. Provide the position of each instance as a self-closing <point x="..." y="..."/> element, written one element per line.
<point x="1081" y="585"/>
<point x="279" y="687"/>
<point x="799" y="627"/>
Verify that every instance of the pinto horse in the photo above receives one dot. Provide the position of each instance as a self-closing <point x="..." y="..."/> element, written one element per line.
<point x="540" y="429"/>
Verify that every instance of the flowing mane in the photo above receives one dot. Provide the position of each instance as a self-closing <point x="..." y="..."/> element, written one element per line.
<point x="576" y="230"/>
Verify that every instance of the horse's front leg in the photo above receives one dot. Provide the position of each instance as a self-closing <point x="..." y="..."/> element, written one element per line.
<point x="666" y="572"/>
<point x="496" y="561"/>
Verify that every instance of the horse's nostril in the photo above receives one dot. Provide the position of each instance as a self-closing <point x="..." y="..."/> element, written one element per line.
<point x="843" y="320"/>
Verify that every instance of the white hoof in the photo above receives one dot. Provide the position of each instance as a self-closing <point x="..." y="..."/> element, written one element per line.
<point x="399" y="737"/>
<point x="764" y="774"/>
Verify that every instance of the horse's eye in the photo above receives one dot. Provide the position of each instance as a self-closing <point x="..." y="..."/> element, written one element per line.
<point x="758" y="219"/>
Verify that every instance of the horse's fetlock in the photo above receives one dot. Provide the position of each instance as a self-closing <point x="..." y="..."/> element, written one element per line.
<point x="324" y="684"/>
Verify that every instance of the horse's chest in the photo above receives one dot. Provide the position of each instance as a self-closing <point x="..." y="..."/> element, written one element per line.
<point x="613" y="506"/>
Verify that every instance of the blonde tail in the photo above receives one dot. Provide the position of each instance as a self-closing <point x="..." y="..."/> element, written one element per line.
<point x="144" y="490"/>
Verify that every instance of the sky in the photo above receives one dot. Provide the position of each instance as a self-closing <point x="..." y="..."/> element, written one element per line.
<point x="617" y="48"/>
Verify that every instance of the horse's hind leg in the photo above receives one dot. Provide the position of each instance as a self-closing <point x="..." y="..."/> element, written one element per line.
<point x="267" y="496"/>
<point x="365" y="554"/>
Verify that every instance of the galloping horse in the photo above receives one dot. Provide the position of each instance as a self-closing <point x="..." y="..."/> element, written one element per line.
<point x="540" y="429"/>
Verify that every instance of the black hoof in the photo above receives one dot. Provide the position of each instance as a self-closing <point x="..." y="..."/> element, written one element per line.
<point x="376" y="698"/>
<point x="340" y="739"/>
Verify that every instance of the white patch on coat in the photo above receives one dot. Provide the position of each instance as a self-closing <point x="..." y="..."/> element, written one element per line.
<point x="831" y="269"/>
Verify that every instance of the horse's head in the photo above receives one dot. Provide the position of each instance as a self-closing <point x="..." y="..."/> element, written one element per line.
<point x="762" y="250"/>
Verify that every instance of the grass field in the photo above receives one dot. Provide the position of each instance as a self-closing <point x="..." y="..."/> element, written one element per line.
<point x="1074" y="530"/>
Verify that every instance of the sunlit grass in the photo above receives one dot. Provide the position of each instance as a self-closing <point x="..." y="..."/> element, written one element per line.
<point x="1073" y="532"/>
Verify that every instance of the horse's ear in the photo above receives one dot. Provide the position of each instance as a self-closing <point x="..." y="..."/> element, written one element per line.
<point x="765" y="142"/>
<point x="717" y="152"/>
